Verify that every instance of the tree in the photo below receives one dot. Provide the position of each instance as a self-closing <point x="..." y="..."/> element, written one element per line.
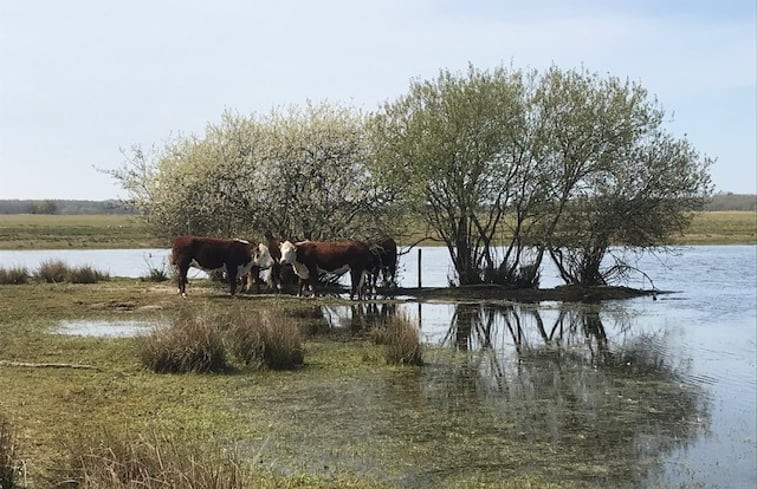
<point x="617" y="177"/>
<point x="561" y="164"/>
<point x="296" y="173"/>
<point x="444" y="147"/>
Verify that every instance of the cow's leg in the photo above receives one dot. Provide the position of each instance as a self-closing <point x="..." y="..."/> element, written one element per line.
<point x="275" y="282"/>
<point x="231" y="273"/>
<point x="182" y="278"/>
<point x="358" y="282"/>
<point x="313" y="280"/>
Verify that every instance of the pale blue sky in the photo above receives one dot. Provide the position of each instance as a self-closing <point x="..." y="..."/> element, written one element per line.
<point x="80" y="79"/>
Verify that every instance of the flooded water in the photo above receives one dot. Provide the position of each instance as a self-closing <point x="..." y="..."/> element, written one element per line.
<point x="635" y="393"/>
<point x="105" y="329"/>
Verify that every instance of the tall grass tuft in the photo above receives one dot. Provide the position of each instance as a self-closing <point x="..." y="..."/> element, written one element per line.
<point x="134" y="461"/>
<point x="7" y="456"/>
<point x="193" y="343"/>
<point x="52" y="271"/>
<point x="267" y="338"/>
<point x="14" y="276"/>
<point x="400" y="335"/>
<point x="85" y="274"/>
<point x="55" y="271"/>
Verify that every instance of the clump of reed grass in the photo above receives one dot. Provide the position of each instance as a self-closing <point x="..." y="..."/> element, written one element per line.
<point x="134" y="461"/>
<point x="192" y="343"/>
<point x="8" y="463"/>
<point x="400" y="335"/>
<point x="55" y="271"/>
<point x="14" y="276"/>
<point x="85" y="274"/>
<point x="267" y="338"/>
<point x="52" y="271"/>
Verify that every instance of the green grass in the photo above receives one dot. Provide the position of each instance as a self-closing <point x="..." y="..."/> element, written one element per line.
<point x="36" y="231"/>
<point x="721" y="227"/>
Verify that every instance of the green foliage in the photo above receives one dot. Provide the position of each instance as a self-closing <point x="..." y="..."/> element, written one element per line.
<point x="580" y="162"/>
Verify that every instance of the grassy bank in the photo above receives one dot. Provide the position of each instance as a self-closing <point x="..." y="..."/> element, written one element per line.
<point x="347" y="417"/>
<point x="28" y="231"/>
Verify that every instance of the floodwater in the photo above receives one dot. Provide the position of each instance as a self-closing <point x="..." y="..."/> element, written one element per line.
<point x="122" y="328"/>
<point x="635" y="393"/>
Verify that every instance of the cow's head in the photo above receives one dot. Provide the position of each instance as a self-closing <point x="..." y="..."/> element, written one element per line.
<point x="288" y="253"/>
<point x="261" y="256"/>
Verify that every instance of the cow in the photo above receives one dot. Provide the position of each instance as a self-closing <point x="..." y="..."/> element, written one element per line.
<point x="234" y="256"/>
<point x="384" y="260"/>
<point x="253" y="276"/>
<point x="308" y="257"/>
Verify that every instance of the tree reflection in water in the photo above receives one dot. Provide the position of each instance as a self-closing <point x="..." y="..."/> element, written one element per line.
<point x="615" y="402"/>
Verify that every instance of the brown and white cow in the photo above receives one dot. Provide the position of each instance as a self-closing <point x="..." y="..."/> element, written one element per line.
<point x="253" y="276"/>
<point x="308" y="257"/>
<point x="234" y="256"/>
<point x="384" y="260"/>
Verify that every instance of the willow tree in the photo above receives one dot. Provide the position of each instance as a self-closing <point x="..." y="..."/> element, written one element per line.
<point x="616" y="176"/>
<point x="446" y="147"/>
<point x="295" y="172"/>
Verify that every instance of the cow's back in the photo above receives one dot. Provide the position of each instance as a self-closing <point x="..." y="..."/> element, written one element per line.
<point x="210" y="253"/>
<point x="334" y="255"/>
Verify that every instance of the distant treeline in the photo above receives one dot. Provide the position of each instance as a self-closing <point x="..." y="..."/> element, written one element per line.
<point x="64" y="207"/>
<point x="719" y="202"/>
<point x="732" y="202"/>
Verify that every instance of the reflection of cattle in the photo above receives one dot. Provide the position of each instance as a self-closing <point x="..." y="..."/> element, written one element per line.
<point x="384" y="260"/>
<point x="233" y="256"/>
<point x="308" y="257"/>
<point x="253" y="277"/>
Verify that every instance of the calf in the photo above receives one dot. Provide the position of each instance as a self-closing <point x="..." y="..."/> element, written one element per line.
<point x="234" y="256"/>
<point x="308" y="257"/>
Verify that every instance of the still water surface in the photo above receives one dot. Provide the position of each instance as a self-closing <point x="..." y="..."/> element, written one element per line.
<point x="644" y="391"/>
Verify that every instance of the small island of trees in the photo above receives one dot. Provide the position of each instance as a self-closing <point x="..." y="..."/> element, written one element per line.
<point x="508" y="167"/>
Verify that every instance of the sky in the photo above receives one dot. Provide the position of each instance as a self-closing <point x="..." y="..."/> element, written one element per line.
<point x="82" y="80"/>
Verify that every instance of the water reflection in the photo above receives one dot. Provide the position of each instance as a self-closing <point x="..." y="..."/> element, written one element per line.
<point x="578" y="394"/>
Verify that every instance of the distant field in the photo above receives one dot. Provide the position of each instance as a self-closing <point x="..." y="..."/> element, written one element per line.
<point x="39" y="231"/>
<point x="722" y="227"/>
<point x="36" y="231"/>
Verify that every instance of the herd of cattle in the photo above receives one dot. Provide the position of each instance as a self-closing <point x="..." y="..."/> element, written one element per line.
<point x="241" y="259"/>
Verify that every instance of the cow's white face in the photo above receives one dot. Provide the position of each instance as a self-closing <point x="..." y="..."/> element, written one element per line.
<point x="288" y="253"/>
<point x="262" y="257"/>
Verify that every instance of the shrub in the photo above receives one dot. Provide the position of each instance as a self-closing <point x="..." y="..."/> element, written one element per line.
<point x="267" y="338"/>
<point x="14" y="276"/>
<point x="403" y="345"/>
<point x="7" y="456"/>
<point x="128" y="461"/>
<point x="193" y="343"/>
<point x="52" y="271"/>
